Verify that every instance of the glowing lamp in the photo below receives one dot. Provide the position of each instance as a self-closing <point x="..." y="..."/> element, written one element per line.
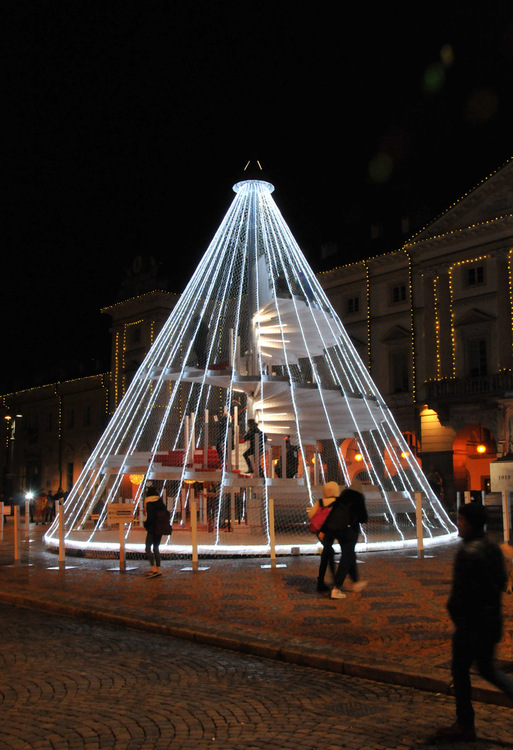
<point x="481" y="448"/>
<point x="136" y="478"/>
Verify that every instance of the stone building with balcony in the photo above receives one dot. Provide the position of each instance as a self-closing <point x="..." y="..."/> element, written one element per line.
<point x="433" y="323"/>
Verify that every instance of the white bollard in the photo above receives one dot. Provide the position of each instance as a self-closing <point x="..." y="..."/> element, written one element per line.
<point x="420" y="529"/>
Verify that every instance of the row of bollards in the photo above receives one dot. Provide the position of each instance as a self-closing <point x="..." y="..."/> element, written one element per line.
<point x="18" y="533"/>
<point x="194" y="532"/>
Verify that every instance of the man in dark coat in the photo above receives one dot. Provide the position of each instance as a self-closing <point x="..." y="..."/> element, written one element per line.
<point x="343" y="524"/>
<point x="475" y="607"/>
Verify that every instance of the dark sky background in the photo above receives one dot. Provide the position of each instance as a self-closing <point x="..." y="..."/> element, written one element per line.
<point x="127" y="123"/>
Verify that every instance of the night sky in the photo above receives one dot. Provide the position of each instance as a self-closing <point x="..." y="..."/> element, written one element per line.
<point x="127" y="123"/>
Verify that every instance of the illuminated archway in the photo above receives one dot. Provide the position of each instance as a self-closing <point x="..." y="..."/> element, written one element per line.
<point x="474" y="448"/>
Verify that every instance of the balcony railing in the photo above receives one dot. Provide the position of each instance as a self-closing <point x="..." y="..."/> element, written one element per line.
<point x="492" y="385"/>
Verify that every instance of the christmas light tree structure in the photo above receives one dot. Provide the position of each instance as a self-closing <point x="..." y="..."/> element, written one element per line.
<point x="253" y="337"/>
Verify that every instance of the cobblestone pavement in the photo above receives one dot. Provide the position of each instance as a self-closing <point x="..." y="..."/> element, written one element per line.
<point x="396" y="632"/>
<point x="66" y="684"/>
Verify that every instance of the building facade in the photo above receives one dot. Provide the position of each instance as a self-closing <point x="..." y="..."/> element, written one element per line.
<point x="433" y="323"/>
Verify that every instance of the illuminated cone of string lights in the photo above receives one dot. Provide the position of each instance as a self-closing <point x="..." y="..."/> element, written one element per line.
<point x="253" y="336"/>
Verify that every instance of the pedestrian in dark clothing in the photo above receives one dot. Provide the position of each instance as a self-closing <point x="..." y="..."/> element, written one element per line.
<point x="331" y="491"/>
<point x="50" y="508"/>
<point x="251" y="437"/>
<point x="475" y="607"/>
<point x="152" y="504"/>
<point x="343" y="524"/>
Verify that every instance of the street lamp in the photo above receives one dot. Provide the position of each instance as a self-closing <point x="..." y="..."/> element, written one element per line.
<point x="11" y="435"/>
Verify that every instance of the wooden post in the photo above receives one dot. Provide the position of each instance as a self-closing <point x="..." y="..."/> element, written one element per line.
<point x="194" y="533"/>
<point x="505" y="515"/>
<point x="236" y="436"/>
<point x="186" y="439"/>
<point x="1" y="522"/>
<point x="122" y="562"/>
<point x="229" y="443"/>
<point x="62" y="549"/>
<point x="27" y="517"/>
<point x="420" y="530"/>
<point x="256" y="457"/>
<point x="272" y="540"/>
<point x="192" y="436"/>
<point x="16" y="533"/>
<point x="205" y="441"/>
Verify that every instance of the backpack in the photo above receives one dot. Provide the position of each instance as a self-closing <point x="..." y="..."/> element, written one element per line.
<point x="317" y="520"/>
<point x="163" y="523"/>
<point x="341" y="516"/>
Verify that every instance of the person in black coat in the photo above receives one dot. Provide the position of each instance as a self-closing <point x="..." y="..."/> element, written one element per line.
<point x="475" y="607"/>
<point x="343" y="524"/>
<point x="152" y="504"/>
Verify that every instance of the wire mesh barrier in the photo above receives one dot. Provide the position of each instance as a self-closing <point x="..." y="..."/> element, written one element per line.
<point x="252" y="392"/>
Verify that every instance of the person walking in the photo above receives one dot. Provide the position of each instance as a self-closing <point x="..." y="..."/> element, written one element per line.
<point x="251" y="437"/>
<point x="50" y="508"/>
<point x="40" y="509"/>
<point x="343" y="524"/>
<point x="153" y="503"/>
<point x="475" y="608"/>
<point x="330" y="492"/>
